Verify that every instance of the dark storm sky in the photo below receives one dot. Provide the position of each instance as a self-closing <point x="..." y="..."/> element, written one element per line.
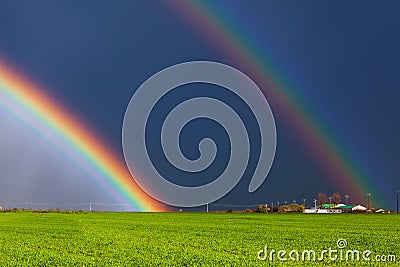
<point x="342" y="58"/>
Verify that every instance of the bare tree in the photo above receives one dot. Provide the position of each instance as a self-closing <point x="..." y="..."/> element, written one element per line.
<point x="336" y="198"/>
<point x="322" y="198"/>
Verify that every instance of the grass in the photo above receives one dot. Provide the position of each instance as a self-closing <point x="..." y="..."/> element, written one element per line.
<point x="188" y="239"/>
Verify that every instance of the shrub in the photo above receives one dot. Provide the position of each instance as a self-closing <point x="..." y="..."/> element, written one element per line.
<point x="301" y="208"/>
<point x="262" y="209"/>
<point x="283" y="208"/>
<point x="291" y="208"/>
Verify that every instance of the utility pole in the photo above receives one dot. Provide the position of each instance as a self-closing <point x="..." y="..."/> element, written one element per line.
<point x="90" y="206"/>
<point x="272" y="207"/>
<point x="397" y="201"/>
<point x="304" y="202"/>
<point x="369" y="205"/>
<point x="315" y="204"/>
<point x="207" y="207"/>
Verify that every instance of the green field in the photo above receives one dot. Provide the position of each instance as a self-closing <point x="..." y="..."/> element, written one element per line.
<point x="190" y="239"/>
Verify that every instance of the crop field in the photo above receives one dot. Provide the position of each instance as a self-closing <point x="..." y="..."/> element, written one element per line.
<point x="197" y="239"/>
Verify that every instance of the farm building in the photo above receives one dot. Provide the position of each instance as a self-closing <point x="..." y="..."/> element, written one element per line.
<point x="345" y="208"/>
<point x="359" y="208"/>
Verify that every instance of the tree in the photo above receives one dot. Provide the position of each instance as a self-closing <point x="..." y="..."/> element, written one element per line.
<point x="336" y="198"/>
<point x="322" y="198"/>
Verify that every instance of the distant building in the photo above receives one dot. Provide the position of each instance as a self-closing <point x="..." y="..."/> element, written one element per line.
<point x="345" y="208"/>
<point x="359" y="208"/>
<point x="327" y="206"/>
<point x="323" y="211"/>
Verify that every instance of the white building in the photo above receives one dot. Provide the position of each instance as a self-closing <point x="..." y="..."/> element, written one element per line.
<point x="323" y="211"/>
<point x="359" y="208"/>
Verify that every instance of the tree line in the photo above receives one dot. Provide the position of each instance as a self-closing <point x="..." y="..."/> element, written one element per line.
<point x="335" y="198"/>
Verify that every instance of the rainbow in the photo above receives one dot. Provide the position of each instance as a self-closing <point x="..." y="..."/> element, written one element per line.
<point x="332" y="156"/>
<point x="113" y="171"/>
